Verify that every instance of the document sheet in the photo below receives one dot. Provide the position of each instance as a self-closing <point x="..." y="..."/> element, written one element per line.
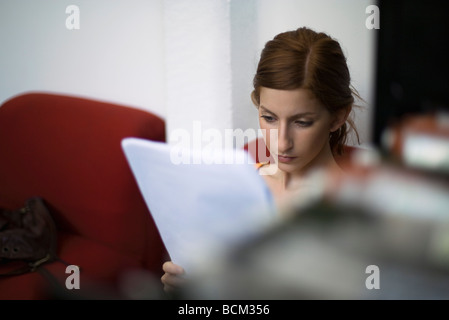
<point x="202" y="201"/>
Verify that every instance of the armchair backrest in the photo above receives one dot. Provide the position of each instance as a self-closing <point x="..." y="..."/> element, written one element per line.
<point x="67" y="150"/>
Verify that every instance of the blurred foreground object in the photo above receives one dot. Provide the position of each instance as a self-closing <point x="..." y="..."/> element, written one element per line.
<point x="420" y="141"/>
<point x="379" y="232"/>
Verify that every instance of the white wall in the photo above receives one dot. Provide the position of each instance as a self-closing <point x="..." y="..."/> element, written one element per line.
<point x="198" y="68"/>
<point x="119" y="55"/>
<point x="116" y="55"/>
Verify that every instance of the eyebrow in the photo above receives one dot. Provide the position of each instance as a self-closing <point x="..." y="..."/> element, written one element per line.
<point x="295" y="116"/>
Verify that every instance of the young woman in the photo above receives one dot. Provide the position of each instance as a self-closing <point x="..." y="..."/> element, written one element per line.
<point x="302" y="89"/>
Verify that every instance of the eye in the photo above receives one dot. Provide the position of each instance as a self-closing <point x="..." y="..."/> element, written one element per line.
<point x="268" y="118"/>
<point x="303" y="123"/>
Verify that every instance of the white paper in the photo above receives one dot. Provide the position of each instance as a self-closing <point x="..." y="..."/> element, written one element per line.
<point x="200" y="208"/>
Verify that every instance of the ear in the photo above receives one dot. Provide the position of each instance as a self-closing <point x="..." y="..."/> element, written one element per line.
<point x="340" y="118"/>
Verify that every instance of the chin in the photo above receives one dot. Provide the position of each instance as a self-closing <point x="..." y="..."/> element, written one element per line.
<point x="290" y="167"/>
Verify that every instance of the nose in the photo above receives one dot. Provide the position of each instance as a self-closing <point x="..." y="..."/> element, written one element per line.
<point x="285" y="141"/>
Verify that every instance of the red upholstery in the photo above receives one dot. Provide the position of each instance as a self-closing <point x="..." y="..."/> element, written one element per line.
<point x="67" y="150"/>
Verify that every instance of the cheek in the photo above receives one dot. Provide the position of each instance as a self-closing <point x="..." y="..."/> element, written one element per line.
<point x="309" y="142"/>
<point x="267" y="132"/>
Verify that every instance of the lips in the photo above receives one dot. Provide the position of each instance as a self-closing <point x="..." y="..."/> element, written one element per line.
<point x="285" y="159"/>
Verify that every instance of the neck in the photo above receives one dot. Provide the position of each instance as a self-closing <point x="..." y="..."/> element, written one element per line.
<point x="324" y="160"/>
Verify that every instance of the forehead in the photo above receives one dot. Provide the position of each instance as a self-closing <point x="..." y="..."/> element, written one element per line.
<point x="288" y="102"/>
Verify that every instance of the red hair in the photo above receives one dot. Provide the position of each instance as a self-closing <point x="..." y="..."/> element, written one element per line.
<point x="309" y="60"/>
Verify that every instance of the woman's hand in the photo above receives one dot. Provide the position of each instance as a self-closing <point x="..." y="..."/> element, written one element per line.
<point x="173" y="278"/>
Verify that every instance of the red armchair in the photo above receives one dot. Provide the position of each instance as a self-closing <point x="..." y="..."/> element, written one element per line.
<point x="67" y="150"/>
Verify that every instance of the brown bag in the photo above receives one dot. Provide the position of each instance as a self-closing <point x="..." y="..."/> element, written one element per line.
<point x="27" y="238"/>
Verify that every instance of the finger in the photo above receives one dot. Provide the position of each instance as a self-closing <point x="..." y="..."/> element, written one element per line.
<point x="172" y="280"/>
<point x="170" y="267"/>
<point x="170" y="289"/>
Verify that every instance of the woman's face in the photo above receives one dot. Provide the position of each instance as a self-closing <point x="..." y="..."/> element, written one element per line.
<point x="303" y="125"/>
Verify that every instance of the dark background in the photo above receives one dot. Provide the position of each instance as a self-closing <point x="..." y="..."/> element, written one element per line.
<point x="412" y="72"/>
